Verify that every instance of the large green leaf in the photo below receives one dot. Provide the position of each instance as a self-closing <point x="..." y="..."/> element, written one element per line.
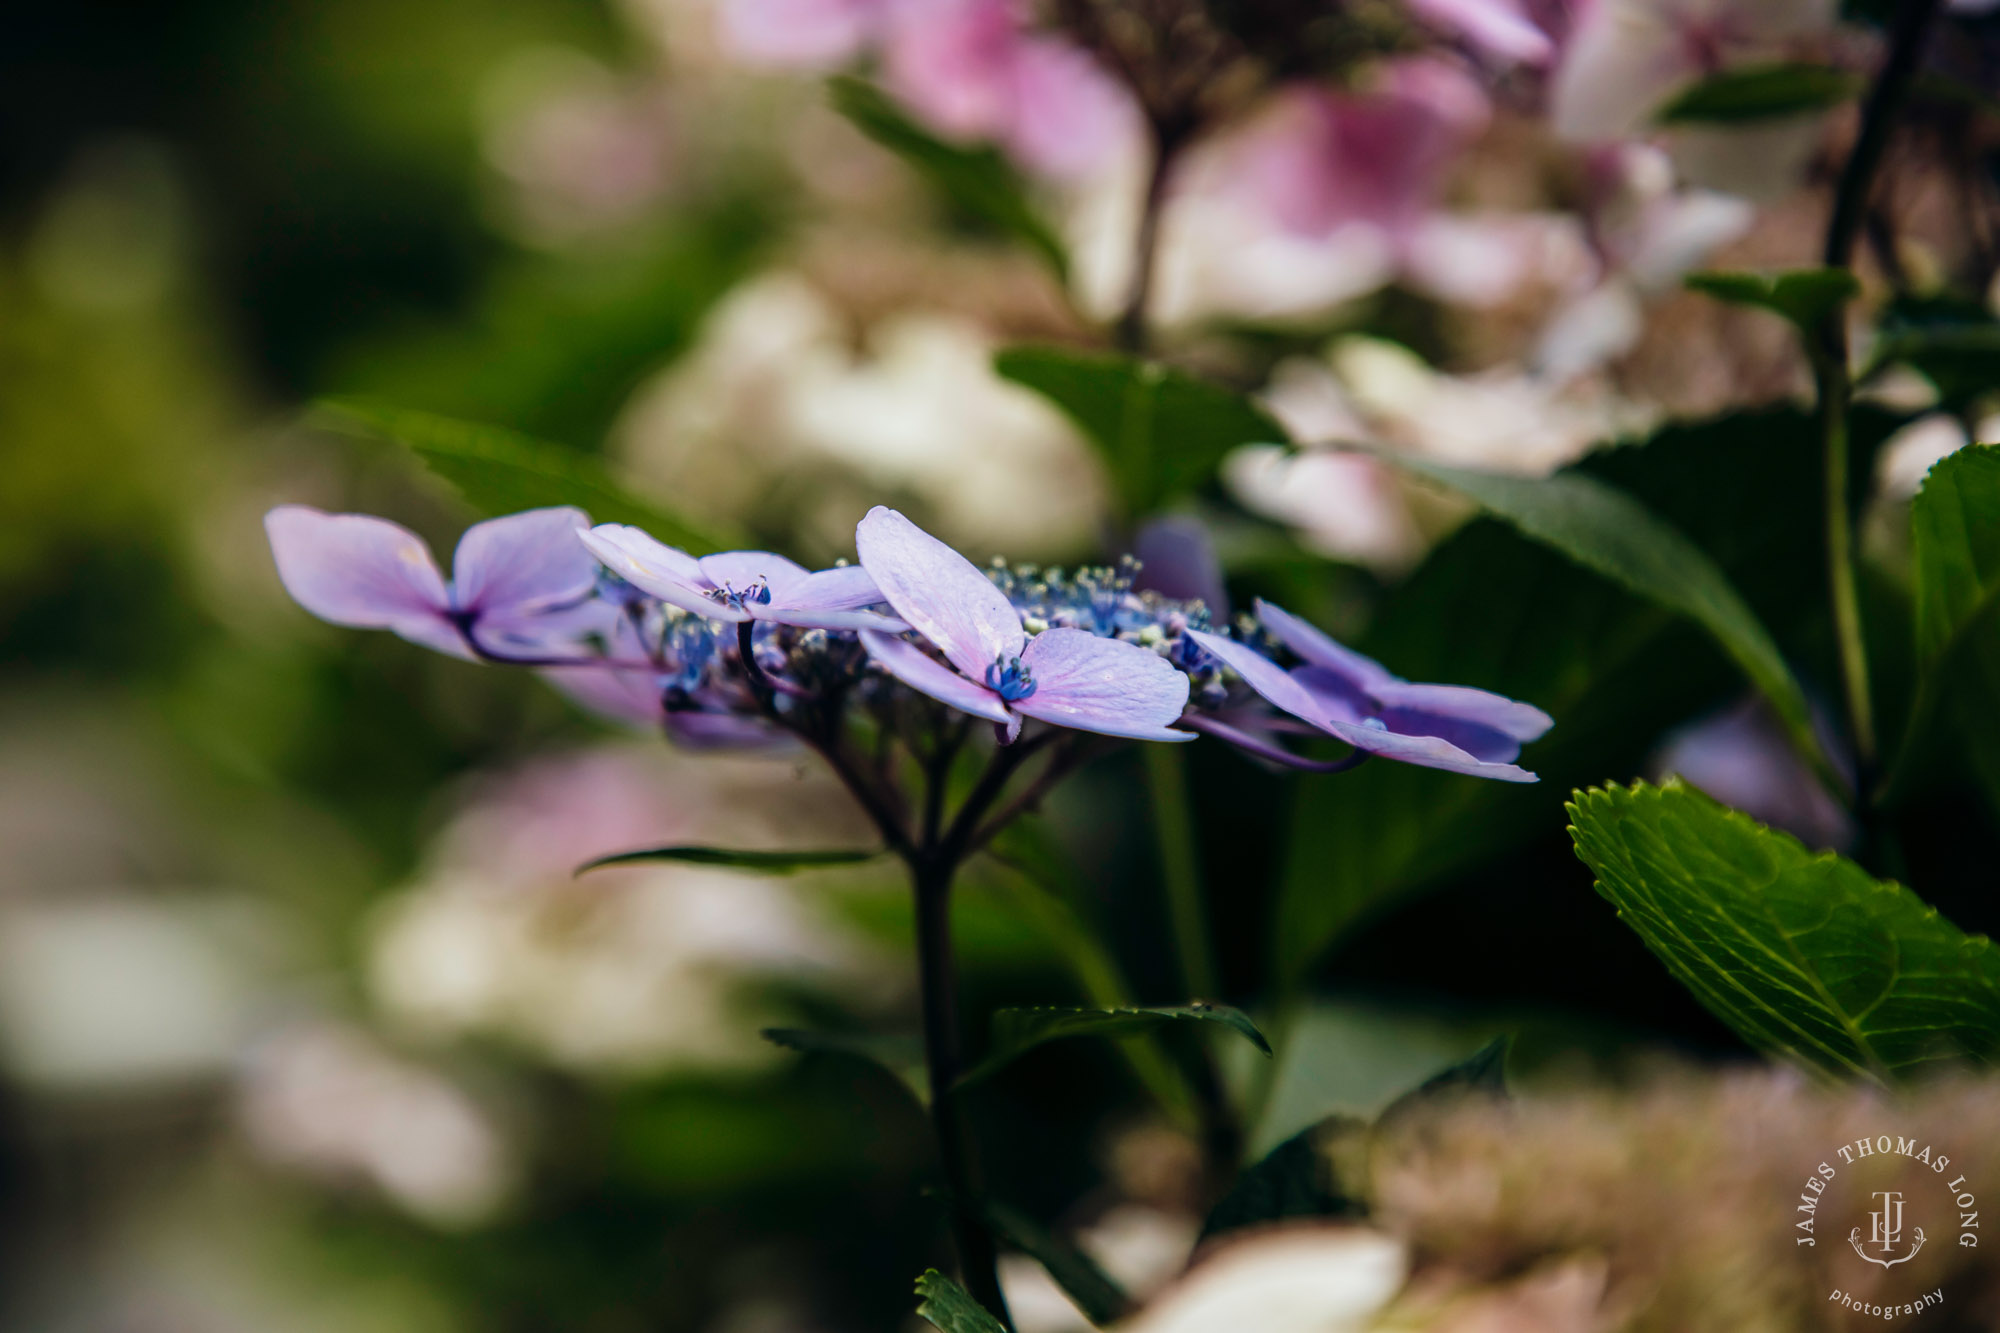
<point x="978" y="181"/>
<point x="1492" y="609"/>
<point x="500" y="472"/>
<point x="1101" y="1299"/>
<point x="1761" y="92"/>
<point x="1608" y="531"/>
<point x="1955" y="536"/>
<point x="1162" y="432"/>
<point x="950" y="1308"/>
<point x="767" y="863"/>
<point x="1018" y="1031"/>
<point x="1802" y="953"/>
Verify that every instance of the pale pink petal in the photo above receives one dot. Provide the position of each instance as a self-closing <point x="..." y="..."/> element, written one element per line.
<point x="924" y="674"/>
<point x="831" y="599"/>
<point x="364" y="572"/>
<point x="951" y="62"/>
<point x="1483" y="708"/>
<point x="939" y="592"/>
<point x="523" y="563"/>
<point x="1497" y="27"/>
<point x="1067" y="118"/>
<point x="1623" y="62"/>
<point x="1424" y="751"/>
<point x="1103" y="685"/>
<point x="630" y="697"/>
<point x="797" y="34"/>
<point x="668" y="573"/>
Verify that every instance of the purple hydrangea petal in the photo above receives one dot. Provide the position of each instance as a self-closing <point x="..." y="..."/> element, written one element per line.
<point x="923" y="673"/>
<point x="1317" y="648"/>
<point x="1426" y="751"/>
<point x="939" y="592"/>
<point x="727" y="731"/>
<point x="523" y="563"/>
<point x="1462" y="703"/>
<point x="832" y="599"/>
<point x="667" y="572"/>
<point x="742" y="570"/>
<point x="1103" y="685"/>
<point x="1177" y="559"/>
<point x="629" y="697"/>
<point x="364" y="572"/>
<point x="1263" y="675"/>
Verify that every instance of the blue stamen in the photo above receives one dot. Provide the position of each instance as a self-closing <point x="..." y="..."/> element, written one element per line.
<point x="1009" y="679"/>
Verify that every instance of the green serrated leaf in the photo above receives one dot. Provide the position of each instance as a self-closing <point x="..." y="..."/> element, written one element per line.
<point x="950" y="1308"/>
<point x="500" y="472"/>
<point x="900" y="1057"/>
<point x="1100" y="1298"/>
<point x="1805" y="296"/>
<point x="1802" y="953"/>
<point x="1481" y="1074"/>
<point x="978" y="180"/>
<point x="1761" y="92"/>
<point x="1018" y="1031"/>
<point x="1955" y="539"/>
<point x="1162" y="432"/>
<point x="768" y="863"/>
<point x="1606" y="530"/>
<point x="1319" y="1172"/>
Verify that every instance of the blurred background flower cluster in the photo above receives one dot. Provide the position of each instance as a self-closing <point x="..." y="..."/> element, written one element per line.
<point x="305" y="1022"/>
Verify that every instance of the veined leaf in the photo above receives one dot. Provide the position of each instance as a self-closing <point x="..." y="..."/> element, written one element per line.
<point x="500" y="472"/>
<point x="950" y="1308"/>
<point x="1805" y="296"/>
<point x="1162" y="432"/>
<point x="1018" y="1031"/>
<point x="1101" y="1299"/>
<point x="900" y="1057"/>
<point x="1761" y="92"/>
<point x="1606" y="530"/>
<point x="1955" y="534"/>
<point x="1802" y="953"/>
<point x="978" y="180"/>
<point x="768" y="863"/>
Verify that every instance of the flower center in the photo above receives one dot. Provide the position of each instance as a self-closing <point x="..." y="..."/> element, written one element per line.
<point x="757" y="594"/>
<point x="1009" y="679"/>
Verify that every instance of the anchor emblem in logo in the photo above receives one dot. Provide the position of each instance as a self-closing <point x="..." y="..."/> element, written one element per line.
<point x="1885" y="1231"/>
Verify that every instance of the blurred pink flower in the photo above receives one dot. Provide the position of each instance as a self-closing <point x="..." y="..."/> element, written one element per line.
<point x="968" y="69"/>
<point x="1377" y="158"/>
<point x="1502" y="29"/>
<point x="798" y="34"/>
<point x="972" y="69"/>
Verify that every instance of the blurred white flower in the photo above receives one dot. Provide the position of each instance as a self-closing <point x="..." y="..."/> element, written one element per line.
<point x="1373" y="392"/>
<point x="326" y="1100"/>
<point x="119" y="994"/>
<point x="1644" y="232"/>
<point x="774" y="386"/>
<point x="1910" y="454"/>
<point x="1627" y="59"/>
<point x="627" y="968"/>
<point x="1139" y="1247"/>
<point x="1289" y="1279"/>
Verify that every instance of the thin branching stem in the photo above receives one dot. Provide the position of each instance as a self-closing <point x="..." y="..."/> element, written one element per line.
<point x="1828" y="351"/>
